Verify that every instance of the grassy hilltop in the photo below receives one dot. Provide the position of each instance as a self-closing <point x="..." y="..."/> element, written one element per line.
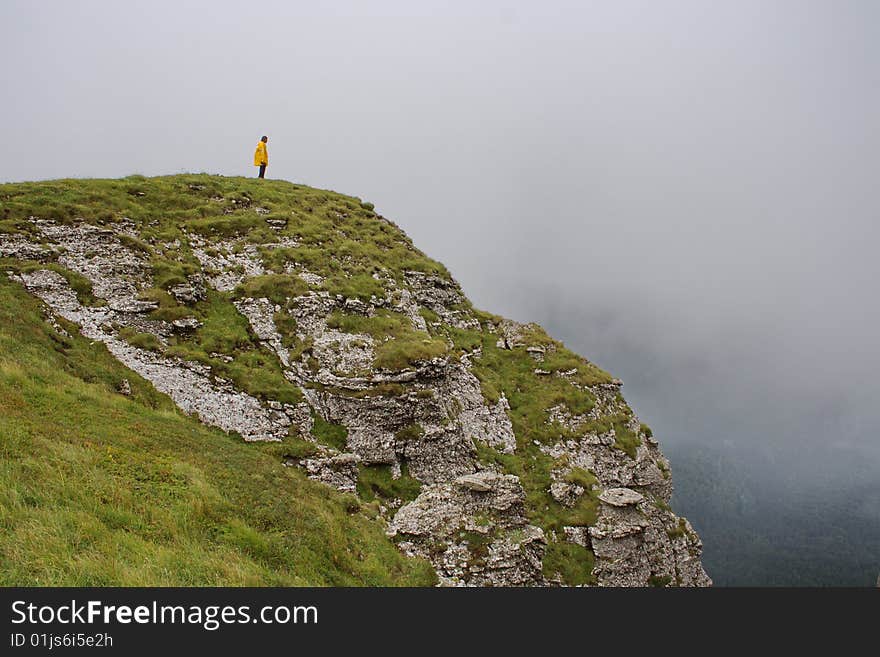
<point x="101" y="489"/>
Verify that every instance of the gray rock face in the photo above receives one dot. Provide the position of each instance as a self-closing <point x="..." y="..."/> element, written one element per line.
<point x="190" y="292"/>
<point x="429" y="420"/>
<point x="19" y="246"/>
<point x="480" y="482"/>
<point x="225" y="265"/>
<point x="186" y="324"/>
<point x="440" y="296"/>
<point x="117" y="273"/>
<point x="474" y="530"/>
<point x="638" y="545"/>
<point x="189" y="384"/>
<point x="337" y="470"/>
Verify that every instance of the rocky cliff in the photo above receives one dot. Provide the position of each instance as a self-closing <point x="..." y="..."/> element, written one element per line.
<point x="283" y="313"/>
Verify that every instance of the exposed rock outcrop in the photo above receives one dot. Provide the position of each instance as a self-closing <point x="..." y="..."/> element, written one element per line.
<point x="415" y="386"/>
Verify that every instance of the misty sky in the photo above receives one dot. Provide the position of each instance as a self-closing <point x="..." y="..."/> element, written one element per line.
<point x="687" y="192"/>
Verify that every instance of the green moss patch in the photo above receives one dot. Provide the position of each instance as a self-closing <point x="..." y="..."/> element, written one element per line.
<point x="376" y="482"/>
<point x="141" y="340"/>
<point x="330" y="434"/>
<point x="399" y="344"/>
<point x="275" y="287"/>
<point x="571" y="562"/>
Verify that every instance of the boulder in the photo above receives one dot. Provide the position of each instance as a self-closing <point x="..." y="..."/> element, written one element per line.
<point x="621" y="497"/>
<point x="480" y="482"/>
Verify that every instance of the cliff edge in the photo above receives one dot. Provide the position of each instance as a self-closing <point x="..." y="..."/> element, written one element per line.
<point x="281" y="313"/>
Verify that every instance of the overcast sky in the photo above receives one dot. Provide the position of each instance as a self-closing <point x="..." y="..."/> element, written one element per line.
<point x="687" y="192"/>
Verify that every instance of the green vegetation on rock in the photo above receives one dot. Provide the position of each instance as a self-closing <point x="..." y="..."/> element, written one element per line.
<point x="659" y="581"/>
<point x="330" y="434"/>
<point x="78" y="283"/>
<point x="218" y="208"/>
<point x="225" y="342"/>
<point x="141" y="340"/>
<point x="275" y="287"/>
<point x="530" y="396"/>
<point x="570" y="562"/>
<point x="399" y="344"/>
<point x="376" y="482"/>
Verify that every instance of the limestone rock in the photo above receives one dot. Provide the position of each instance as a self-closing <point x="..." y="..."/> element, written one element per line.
<point x="337" y="470"/>
<point x="190" y="292"/>
<point x="565" y="493"/>
<point x="483" y="531"/>
<point x="186" y="324"/>
<point x="621" y="497"/>
<point x="481" y="482"/>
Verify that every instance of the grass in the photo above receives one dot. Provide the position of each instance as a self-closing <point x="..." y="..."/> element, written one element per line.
<point x="533" y="467"/>
<point x="375" y="482"/>
<point x="222" y="208"/>
<point x="659" y="581"/>
<point x="97" y="489"/>
<point x="330" y="434"/>
<point x="408" y="351"/>
<point x="141" y="340"/>
<point x="292" y="447"/>
<point x="571" y="562"/>
<point x="559" y="359"/>
<point x="381" y="326"/>
<point x="581" y="477"/>
<point x="400" y="345"/>
<point x="135" y="244"/>
<point x="234" y="226"/>
<point x="275" y="287"/>
<point x="530" y="396"/>
<point x="429" y="315"/>
<point x="478" y="546"/>
<point x="664" y="469"/>
<point x="409" y="433"/>
<point x="678" y="531"/>
<point x="356" y="286"/>
<point x="286" y="327"/>
<point x="464" y="340"/>
<point x="168" y="309"/>
<point x="625" y="440"/>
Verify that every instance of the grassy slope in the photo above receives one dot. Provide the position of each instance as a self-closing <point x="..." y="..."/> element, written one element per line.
<point x="101" y="489"/>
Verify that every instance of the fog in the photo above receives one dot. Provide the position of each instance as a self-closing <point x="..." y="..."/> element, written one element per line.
<point x="685" y="192"/>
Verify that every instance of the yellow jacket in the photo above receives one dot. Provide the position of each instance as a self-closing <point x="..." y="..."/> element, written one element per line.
<point x="261" y="156"/>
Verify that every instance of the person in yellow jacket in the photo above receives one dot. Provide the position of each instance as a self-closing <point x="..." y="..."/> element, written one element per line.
<point x="261" y="156"/>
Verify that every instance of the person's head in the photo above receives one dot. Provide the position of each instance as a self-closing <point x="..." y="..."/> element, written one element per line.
<point x="264" y="139"/>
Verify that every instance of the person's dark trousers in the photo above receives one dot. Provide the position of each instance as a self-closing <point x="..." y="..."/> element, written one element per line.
<point x="262" y="171"/>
